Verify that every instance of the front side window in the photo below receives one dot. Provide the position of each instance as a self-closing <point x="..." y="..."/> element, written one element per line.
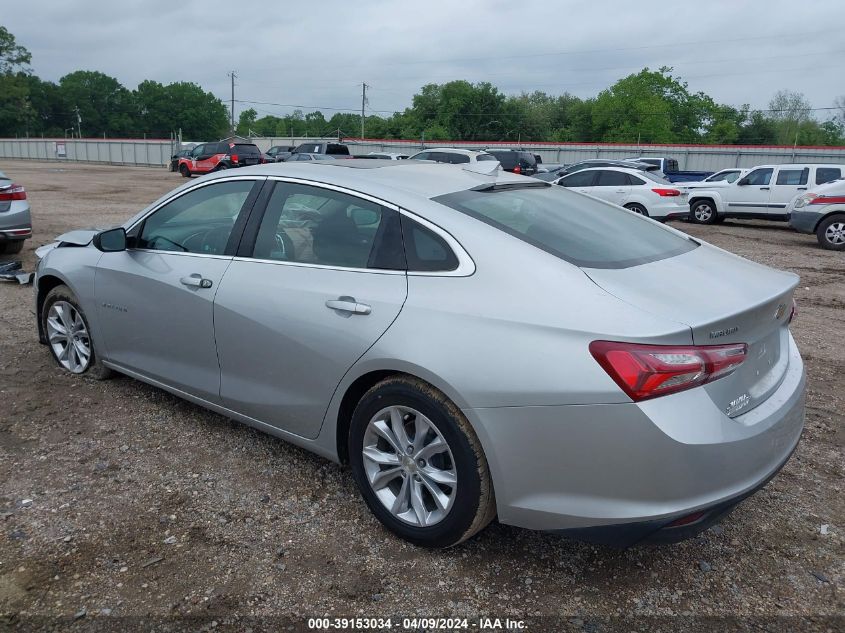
<point x="827" y="174"/>
<point x="578" y="229"/>
<point x="578" y="179"/>
<point x="421" y="156"/>
<point x="200" y="221"/>
<point x="793" y="176"/>
<point x="760" y="176"/>
<point x="311" y="225"/>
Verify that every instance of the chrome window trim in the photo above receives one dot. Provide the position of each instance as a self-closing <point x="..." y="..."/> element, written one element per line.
<point x="280" y="262"/>
<point x="180" y="253"/>
<point x="198" y="185"/>
<point x="466" y="265"/>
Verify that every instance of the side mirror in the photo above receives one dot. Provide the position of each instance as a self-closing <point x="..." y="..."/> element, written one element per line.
<point x="742" y="182"/>
<point x="111" y="241"/>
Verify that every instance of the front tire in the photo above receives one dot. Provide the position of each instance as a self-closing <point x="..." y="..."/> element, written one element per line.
<point x="183" y="169"/>
<point x="68" y="335"/>
<point x="419" y="464"/>
<point x="703" y="212"/>
<point x="831" y="233"/>
<point x="11" y="247"/>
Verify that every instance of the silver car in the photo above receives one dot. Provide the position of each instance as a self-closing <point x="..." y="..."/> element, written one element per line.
<point x="471" y="344"/>
<point x="15" y="220"/>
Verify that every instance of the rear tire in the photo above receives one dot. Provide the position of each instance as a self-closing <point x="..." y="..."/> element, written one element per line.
<point x="703" y="212"/>
<point x="419" y="465"/>
<point x="637" y="208"/>
<point x="183" y="169"/>
<point x="221" y="167"/>
<point x="61" y="311"/>
<point x="11" y="247"/>
<point x="831" y="233"/>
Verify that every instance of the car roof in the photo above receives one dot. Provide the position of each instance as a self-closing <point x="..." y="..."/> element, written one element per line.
<point x="454" y="150"/>
<point x="624" y="170"/>
<point x="389" y="180"/>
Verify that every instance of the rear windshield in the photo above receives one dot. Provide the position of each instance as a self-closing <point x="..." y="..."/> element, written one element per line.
<point x="245" y="148"/>
<point x="579" y="229"/>
<point x="507" y="159"/>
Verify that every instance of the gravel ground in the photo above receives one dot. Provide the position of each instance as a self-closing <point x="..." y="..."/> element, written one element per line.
<point x="124" y="507"/>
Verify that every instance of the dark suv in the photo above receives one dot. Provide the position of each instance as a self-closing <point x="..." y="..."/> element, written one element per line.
<point x="280" y="152"/>
<point x="216" y="156"/>
<point x="517" y="161"/>
<point x="336" y="150"/>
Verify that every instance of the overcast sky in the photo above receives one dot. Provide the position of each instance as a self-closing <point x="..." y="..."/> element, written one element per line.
<point x="316" y="54"/>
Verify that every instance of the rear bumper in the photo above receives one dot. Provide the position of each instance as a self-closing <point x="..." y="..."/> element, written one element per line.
<point x="623" y="472"/>
<point x="804" y="221"/>
<point x="16" y="222"/>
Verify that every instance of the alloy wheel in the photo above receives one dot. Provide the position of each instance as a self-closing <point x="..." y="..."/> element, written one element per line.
<point x="835" y="233"/>
<point x="703" y="212"/>
<point x="68" y="337"/>
<point x="409" y="466"/>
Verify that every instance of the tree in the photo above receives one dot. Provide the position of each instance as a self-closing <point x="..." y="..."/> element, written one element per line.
<point x="789" y="110"/>
<point x="103" y="104"/>
<point x="199" y="114"/>
<point x="246" y="121"/>
<point x="15" y="112"/>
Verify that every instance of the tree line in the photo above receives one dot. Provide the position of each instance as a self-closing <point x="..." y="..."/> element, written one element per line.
<point x="651" y="106"/>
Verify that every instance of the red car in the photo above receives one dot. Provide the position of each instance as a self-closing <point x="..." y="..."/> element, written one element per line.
<point x="210" y="157"/>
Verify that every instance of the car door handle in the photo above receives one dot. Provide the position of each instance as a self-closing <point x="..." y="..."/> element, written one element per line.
<point x="196" y="281"/>
<point x="348" y="304"/>
<point x="802" y="188"/>
<point x="620" y="191"/>
<point x="764" y="188"/>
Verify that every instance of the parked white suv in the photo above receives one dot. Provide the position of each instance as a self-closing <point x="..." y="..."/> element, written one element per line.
<point x="453" y="156"/>
<point x="763" y="193"/>
<point x="642" y="192"/>
<point x="821" y="211"/>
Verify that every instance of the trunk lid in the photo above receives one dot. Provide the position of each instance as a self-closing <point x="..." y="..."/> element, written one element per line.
<point x="722" y="298"/>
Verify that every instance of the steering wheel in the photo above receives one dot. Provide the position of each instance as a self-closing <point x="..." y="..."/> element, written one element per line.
<point x="167" y="239"/>
<point x="285" y="247"/>
<point x="209" y="242"/>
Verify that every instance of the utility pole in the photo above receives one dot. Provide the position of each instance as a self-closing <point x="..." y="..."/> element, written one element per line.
<point x="78" y="121"/>
<point x="363" y="105"/>
<point x="232" y="109"/>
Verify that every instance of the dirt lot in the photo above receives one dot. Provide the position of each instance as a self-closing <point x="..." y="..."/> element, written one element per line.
<point x="96" y="477"/>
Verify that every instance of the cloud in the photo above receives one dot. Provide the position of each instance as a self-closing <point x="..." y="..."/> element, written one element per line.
<point x="319" y="53"/>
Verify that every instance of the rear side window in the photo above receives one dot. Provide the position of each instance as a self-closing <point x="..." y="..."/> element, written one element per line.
<point x="633" y="180"/>
<point x="483" y="157"/>
<point x="826" y="174"/>
<point x="581" y="230"/>
<point x="609" y="178"/>
<point x="793" y="176"/>
<point x="336" y="148"/>
<point x="426" y="251"/>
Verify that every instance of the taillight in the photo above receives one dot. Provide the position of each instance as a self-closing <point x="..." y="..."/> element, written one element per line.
<point x="649" y="371"/>
<point x="234" y="158"/>
<point x="12" y="192"/>
<point x="667" y="193"/>
<point x="827" y="200"/>
<point x="517" y="170"/>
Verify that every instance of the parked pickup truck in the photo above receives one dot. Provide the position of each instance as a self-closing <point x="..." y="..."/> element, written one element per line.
<point x="764" y="193"/>
<point x="669" y="167"/>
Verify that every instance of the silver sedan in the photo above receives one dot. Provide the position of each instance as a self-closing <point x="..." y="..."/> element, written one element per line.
<point x="15" y="219"/>
<point x="472" y="343"/>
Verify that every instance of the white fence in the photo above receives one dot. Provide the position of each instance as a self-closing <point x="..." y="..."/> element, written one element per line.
<point x="690" y="157"/>
<point x="117" y="152"/>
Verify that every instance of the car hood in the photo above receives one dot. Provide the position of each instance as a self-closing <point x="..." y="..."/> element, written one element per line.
<point x="79" y="237"/>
